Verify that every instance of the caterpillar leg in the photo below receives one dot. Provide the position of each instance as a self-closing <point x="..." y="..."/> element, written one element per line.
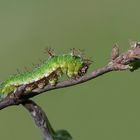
<point x="18" y="92"/>
<point x="59" y="72"/>
<point x="42" y="83"/>
<point x="53" y="79"/>
<point x="30" y="87"/>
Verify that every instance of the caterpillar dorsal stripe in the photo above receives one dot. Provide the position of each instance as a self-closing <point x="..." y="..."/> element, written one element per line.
<point x="74" y="66"/>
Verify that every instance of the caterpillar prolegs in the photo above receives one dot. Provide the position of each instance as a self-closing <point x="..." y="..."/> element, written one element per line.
<point x="74" y="66"/>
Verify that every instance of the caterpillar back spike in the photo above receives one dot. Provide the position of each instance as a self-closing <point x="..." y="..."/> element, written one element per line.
<point x="74" y="66"/>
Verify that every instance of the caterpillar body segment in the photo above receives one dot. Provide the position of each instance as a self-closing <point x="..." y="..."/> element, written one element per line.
<point x="49" y="72"/>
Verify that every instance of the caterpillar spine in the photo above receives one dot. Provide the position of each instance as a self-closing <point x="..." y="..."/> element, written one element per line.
<point x="74" y="66"/>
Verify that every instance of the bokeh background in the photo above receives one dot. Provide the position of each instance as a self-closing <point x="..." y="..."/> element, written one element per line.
<point x="106" y="108"/>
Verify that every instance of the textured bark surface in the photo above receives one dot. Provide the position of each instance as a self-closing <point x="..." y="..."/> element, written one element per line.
<point x="129" y="60"/>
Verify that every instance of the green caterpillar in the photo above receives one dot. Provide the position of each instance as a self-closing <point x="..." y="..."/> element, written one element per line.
<point x="74" y="66"/>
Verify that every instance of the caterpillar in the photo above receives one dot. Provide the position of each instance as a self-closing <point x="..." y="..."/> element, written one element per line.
<point x="74" y="66"/>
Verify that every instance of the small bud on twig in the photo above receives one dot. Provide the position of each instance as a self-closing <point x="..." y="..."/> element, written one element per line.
<point x="115" y="52"/>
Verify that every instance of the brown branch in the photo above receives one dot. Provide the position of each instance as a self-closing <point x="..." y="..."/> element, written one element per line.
<point x="118" y="63"/>
<point x="21" y="97"/>
<point x="39" y="118"/>
<point x="43" y="123"/>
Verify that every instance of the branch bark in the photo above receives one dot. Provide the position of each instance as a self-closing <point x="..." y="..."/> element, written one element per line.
<point x="39" y="118"/>
<point x="130" y="60"/>
<point x="42" y="122"/>
<point x="118" y="62"/>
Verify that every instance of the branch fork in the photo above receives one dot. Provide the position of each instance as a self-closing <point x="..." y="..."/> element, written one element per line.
<point x="129" y="60"/>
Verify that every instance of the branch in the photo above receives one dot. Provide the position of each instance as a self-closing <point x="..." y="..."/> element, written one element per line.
<point x="130" y="60"/>
<point x="43" y="123"/>
<point x="39" y="118"/>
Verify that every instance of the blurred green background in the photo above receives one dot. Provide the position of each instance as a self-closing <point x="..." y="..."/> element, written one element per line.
<point x="106" y="108"/>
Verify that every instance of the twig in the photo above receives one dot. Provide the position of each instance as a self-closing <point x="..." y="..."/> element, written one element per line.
<point x="39" y="118"/>
<point x="118" y="62"/>
<point x="10" y="100"/>
<point x="129" y="60"/>
<point x="43" y="123"/>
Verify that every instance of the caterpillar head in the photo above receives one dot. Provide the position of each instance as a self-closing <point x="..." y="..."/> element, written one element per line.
<point x="84" y="68"/>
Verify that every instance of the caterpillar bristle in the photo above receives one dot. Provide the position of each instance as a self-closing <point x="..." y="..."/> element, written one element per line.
<point x="88" y="61"/>
<point x="26" y="69"/>
<point x="33" y="64"/>
<point x="48" y="72"/>
<point x="18" y="71"/>
<point x="73" y="51"/>
<point x="41" y="61"/>
<point x="49" y="51"/>
<point x="81" y="53"/>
